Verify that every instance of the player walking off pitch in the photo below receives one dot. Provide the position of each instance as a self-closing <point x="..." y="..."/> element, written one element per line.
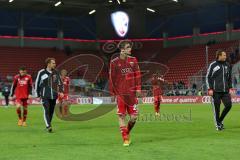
<point x="22" y="90"/>
<point x="125" y="84"/>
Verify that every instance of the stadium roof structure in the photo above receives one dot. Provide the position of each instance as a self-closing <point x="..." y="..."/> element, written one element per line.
<point x="162" y="7"/>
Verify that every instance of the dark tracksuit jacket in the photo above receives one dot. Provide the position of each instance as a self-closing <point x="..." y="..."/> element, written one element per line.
<point x="219" y="79"/>
<point x="47" y="86"/>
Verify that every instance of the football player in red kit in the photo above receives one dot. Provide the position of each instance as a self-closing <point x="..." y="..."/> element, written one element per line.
<point x="125" y="84"/>
<point x="65" y="99"/>
<point x="22" y="90"/>
<point x="157" y="82"/>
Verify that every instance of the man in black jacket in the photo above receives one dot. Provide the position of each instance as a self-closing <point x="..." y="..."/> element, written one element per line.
<point x="49" y="86"/>
<point x="6" y="93"/>
<point x="219" y="84"/>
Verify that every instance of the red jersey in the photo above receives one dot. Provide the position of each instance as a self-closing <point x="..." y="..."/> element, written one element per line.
<point x="66" y="84"/>
<point x="124" y="76"/>
<point x="157" y="86"/>
<point x="22" y="86"/>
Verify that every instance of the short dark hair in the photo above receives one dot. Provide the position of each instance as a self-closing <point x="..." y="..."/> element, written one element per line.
<point x="219" y="53"/>
<point x="48" y="60"/>
<point x="123" y="43"/>
<point x="22" y="68"/>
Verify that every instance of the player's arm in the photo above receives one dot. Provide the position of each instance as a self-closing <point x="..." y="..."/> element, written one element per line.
<point x="68" y="84"/>
<point x="209" y="80"/>
<point x="112" y="74"/>
<point x="60" y="84"/>
<point x="30" y="86"/>
<point x="137" y="75"/>
<point x="230" y="77"/>
<point x="38" y="83"/>
<point x="231" y="91"/>
<point x="13" y="87"/>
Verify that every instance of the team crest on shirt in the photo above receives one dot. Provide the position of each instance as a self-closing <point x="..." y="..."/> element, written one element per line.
<point x="26" y="79"/>
<point x="132" y="63"/>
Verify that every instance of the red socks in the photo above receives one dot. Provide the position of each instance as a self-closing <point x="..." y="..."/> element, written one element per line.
<point x="65" y="108"/>
<point x="19" y="113"/>
<point x="25" y="112"/>
<point x="18" y="110"/>
<point x="124" y="132"/>
<point x="130" y="125"/>
<point x="157" y="107"/>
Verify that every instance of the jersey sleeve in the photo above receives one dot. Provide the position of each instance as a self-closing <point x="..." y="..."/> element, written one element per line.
<point x="68" y="84"/>
<point x="60" y="83"/>
<point x="30" y="85"/>
<point x="38" y="83"/>
<point x="68" y="80"/>
<point x="137" y="75"/>
<point x="112" y="75"/>
<point x="14" y="85"/>
<point x="209" y="80"/>
<point x="230" y="77"/>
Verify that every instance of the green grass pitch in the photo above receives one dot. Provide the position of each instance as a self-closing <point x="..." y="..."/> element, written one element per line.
<point x="190" y="135"/>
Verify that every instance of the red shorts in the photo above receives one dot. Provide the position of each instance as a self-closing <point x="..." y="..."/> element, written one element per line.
<point x="127" y="104"/>
<point x="158" y="98"/>
<point x="22" y="101"/>
<point x="65" y="98"/>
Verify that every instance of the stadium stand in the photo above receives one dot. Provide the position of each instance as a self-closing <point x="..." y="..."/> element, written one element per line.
<point x="191" y="60"/>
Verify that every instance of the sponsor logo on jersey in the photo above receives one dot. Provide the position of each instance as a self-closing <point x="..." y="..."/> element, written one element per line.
<point x="22" y="82"/>
<point x="126" y="70"/>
